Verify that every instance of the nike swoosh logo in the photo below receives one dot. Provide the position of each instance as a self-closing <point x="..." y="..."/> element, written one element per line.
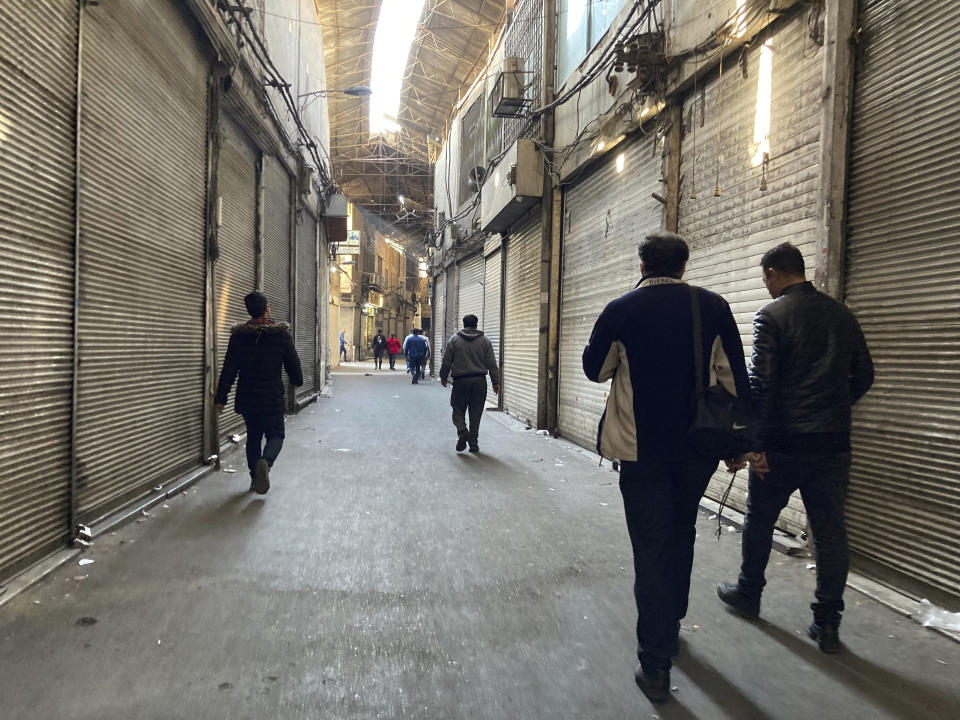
<point x="740" y="427"/>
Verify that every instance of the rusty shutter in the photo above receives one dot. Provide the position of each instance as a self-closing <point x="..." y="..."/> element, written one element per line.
<point x="521" y="331"/>
<point x="276" y="238"/>
<point x="306" y="299"/>
<point x="606" y="214"/>
<point x="729" y="233"/>
<point x="903" y="283"/>
<point x="236" y="266"/>
<point x="38" y="45"/>
<point x="142" y="266"/>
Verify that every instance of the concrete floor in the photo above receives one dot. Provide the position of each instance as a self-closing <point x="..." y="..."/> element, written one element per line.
<point x="386" y="576"/>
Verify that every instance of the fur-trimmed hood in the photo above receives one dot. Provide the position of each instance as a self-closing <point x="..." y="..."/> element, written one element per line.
<point x="248" y="328"/>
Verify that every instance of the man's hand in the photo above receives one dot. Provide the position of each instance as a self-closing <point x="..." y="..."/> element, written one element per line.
<point x="496" y="389"/>
<point x="443" y="381"/>
<point x="735" y="464"/>
<point x="759" y="463"/>
<point x="218" y="407"/>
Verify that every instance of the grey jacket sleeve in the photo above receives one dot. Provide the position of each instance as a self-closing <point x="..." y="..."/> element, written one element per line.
<point x="490" y="359"/>
<point x="447" y="362"/>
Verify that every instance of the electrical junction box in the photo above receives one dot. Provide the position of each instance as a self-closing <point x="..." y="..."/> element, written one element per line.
<point x="336" y="206"/>
<point x="512" y="187"/>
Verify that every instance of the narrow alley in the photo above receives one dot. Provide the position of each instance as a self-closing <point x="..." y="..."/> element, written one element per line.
<point x="386" y="576"/>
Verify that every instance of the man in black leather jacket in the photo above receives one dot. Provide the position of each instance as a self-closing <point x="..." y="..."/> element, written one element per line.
<point x="810" y="364"/>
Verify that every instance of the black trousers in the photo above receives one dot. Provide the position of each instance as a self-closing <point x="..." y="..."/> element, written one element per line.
<point x="393" y="360"/>
<point x="822" y="481"/>
<point x="378" y="358"/>
<point x="661" y="496"/>
<point x="261" y="426"/>
<point x="469" y="394"/>
<point x="343" y="352"/>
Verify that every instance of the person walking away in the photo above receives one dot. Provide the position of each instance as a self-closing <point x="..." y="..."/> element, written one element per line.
<point x="393" y="349"/>
<point x="343" y="346"/>
<point x="379" y="345"/>
<point x="467" y="359"/>
<point x="643" y="342"/>
<point x="415" y="348"/>
<point x="810" y="364"/>
<point x="258" y="352"/>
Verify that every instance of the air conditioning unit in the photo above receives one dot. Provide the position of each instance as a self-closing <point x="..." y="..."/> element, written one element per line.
<point x="512" y="187"/>
<point x="508" y="99"/>
<point x="346" y="298"/>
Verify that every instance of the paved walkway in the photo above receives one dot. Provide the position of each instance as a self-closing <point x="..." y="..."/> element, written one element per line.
<point x="386" y="576"/>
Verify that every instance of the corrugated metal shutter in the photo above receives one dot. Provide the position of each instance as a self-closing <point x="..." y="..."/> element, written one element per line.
<point x="142" y="264"/>
<point x="236" y="267"/>
<point x="904" y="285"/>
<point x="450" y="318"/>
<point x="439" y="313"/>
<point x="306" y="327"/>
<point x="276" y="238"/>
<point x="470" y="292"/>
<point x="38" y="96"/>
<point x="521" y="331"/>
<point x="605" y="216"/>
<point x="491" y="300"/>
<point x="729" y="234"/>
<point x="323" y="322"/>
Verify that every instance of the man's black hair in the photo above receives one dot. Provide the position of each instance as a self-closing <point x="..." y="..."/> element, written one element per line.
<point x="379" y="331"/>
<point x="256" y="303"/>
<point x="663" y="253"/>
<point x="470" y="321"/>
<point x="785" y="258"/>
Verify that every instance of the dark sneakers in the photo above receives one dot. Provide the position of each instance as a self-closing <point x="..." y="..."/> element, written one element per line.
<point x="827" y="637"/>
<point x="654" y="683"/>
<point x="737" y="601"/>
<point x="461" y="441"/>
<point x="261" y="477"/>
<point x="474" y="447"/>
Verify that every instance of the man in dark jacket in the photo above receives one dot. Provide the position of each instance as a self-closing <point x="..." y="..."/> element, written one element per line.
<point x="643" y="341"/>
<point x="258" y="352"/>
<point x="379" y="345"/>
<point x="467" y="359"/>
<point x="810" y="364"/>
<point x="415" y="348"/>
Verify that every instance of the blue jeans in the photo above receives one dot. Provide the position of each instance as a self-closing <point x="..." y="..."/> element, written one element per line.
<point x="416" y="368"/>
<point x="258" y="427"/>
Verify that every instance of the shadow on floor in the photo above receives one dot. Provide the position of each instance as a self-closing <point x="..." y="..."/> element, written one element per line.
<point x="713" y="683"/>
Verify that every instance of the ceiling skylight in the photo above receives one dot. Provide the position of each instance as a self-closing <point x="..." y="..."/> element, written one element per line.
<point x="396" y="28"/>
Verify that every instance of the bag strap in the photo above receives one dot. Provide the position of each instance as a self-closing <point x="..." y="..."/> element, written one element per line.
<point x="697" y="338"/>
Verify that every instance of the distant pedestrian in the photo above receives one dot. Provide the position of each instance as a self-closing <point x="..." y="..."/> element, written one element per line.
<point x="393" y="349"/>
<point x="415" y="348"/>
<point x="643" y="342"/>
<point x="343" y="345"/>
<point x="467" y="359"/>
<point x="379" y="346"/>
<point x="810" y="364"/>
<point x="258" y="352"/>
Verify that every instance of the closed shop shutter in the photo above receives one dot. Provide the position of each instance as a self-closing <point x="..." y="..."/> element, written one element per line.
<point x="521" y="332"/>
<point x="904" y="285"/>
<point x="605" y="216"/>
<point x="38" y="44"/>
<point x="236" y="267"/>
<point x="439" y="312"/>
<point x="306" y="327"/>
<point x="276" y="238"/>
<point x="491" y="300"/>
<point x="451" y="319"/>
<point x="729" y="233"/>
<point x="470" y="293"/>
<point x="142" y="265"/>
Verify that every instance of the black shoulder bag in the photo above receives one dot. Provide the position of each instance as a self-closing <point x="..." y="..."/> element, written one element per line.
<point x="720" y="428"/>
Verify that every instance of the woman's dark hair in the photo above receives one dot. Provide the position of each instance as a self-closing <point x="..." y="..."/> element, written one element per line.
<point x="785" y="258"/>
<point x="256" y="303"/>
<point x="663" y="253"/>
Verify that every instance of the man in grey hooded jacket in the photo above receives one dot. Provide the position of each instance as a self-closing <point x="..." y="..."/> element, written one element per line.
<point x="467" y="359"/>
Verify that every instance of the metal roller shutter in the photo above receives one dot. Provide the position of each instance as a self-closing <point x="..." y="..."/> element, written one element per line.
<point x="38" y="44"/>
<point x="605" y="216"/>
<point x="729" y="233"/>
<point x="276" y="238"/>
<point x="521" y="331"/>
<point x="142" y="264"/>
<point x="491" y="300"/>
<point x="904" y="285"/>
<point x="450" y="319"/>
<point x="306" y="298"/>
<point x="236" y="267"/>
<point x="470" y="292"/>
<point x="439" y="313"/>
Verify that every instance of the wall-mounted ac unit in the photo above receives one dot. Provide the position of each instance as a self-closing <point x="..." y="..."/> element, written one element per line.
<point x="512" y="187"/>
<point x="508" y="99"/>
